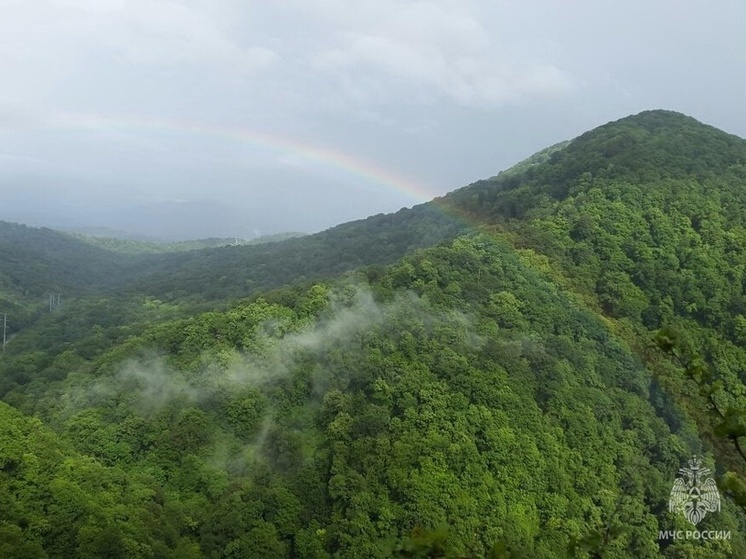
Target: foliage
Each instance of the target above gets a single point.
(58, 503)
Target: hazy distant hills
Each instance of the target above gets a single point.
(129, 244)
(218, 205)
(173, 220)
(169, 220)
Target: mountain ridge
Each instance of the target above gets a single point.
(644, 148)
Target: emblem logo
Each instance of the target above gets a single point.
(694, 494)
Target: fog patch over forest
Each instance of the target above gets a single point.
(236, 386)
(278, 346)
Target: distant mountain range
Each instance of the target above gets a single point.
(157, 221)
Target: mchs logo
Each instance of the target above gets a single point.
(694, 494)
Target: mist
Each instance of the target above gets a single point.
(240, 385)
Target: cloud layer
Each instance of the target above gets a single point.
(441, 91)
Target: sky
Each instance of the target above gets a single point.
(197, 118)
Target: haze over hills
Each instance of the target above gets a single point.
(211, 206)
(169, 220)
(517, 369)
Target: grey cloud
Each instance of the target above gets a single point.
(435, 50)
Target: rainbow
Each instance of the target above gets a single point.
(324, 156)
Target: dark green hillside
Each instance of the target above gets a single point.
(35, 262)
(239, 271)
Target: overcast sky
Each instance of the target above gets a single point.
(238, 117)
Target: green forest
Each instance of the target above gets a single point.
(519, 369)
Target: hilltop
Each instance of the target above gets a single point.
(646, 148)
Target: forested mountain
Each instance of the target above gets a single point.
(239, 271)
(527, 385)
(37, 263)
(40, 261)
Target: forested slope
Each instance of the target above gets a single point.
(461, 400)
(530, 390)
(36, 262)
(646, 217)
(239, 271)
